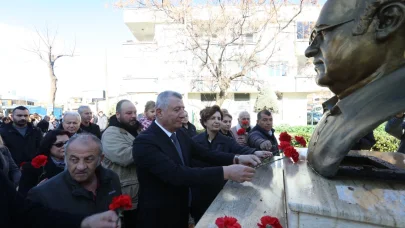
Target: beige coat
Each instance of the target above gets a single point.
(117, 147)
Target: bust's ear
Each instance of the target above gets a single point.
(391, 20)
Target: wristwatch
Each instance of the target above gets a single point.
(236, 159)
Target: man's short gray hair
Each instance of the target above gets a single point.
(76, 114)
(84, 138)
(243, 113)
(162, 101)
(81, 109)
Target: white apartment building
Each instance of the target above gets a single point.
(154, 64)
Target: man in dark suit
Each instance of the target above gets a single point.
(162, 155)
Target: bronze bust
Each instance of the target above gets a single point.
(358, 48)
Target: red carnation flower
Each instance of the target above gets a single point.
(271, 221)
(284, 144)
(301, 140)
(241, 131)
(39, 161)
(291, 152)
(284, 136)
(121, 202)
(227, 222)
(245, 122)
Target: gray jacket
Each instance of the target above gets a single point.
(63, 193)
(117, 148)
(395, 127)
(10, 169)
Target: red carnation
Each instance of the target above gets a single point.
(284, 136)
(271, 221)
(121, 202)
(301, 140)
(284, 144)
(291, 152)
(39, 161)
(241, 131)
(227, 222)
(245, 122)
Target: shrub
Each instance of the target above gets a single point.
(384, 141)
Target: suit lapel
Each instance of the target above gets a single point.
(165, 143)
(182, 137)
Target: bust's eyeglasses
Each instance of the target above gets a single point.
(316, 32)
(60, 144)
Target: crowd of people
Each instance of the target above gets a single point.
(171, 172)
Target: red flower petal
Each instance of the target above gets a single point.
(284, 144)
(241, 131)
(268, 220)
(301, 140)
(245, 122)
(39, 161)
(284, 136)
(121, 202)
(227, 222)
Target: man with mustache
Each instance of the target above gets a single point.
(21, 137)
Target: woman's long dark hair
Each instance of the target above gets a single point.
(49, 140)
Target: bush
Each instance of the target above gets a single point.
(384, 141)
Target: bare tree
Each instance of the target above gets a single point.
(229, 40)
(44, 48)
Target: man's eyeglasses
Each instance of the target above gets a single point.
(316, 32)
(60, 144)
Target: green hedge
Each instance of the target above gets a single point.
(385, 142)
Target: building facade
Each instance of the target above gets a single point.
(154, 63)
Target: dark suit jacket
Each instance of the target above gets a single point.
(164, 181)
(32, 176)
(19, 213)
(204, 195)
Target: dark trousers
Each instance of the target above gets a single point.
(130, 218)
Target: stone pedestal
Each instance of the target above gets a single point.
(301, 198)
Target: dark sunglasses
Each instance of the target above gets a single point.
(60, 144)
(316, 32)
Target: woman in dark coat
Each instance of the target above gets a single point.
(52, 146)
(8, 166)
(211, 118)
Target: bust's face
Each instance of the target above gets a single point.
(341, 59)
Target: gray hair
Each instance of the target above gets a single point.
(242, 113)
(162, 101)
(76, 114)
(81, 109)
(84, 138)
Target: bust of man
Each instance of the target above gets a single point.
(359, 54)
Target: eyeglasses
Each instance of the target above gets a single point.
(60, 144)
(315, 32)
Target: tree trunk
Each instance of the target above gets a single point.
(54, 80)
(224, 85)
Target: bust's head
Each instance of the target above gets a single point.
(357, 41)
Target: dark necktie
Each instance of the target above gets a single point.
(177, 145)
(178, 148)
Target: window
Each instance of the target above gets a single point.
(278, 69)
(304, 30)
(248, 38)
(241, 96)
(208, 97)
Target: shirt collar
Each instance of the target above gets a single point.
(168, 133)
